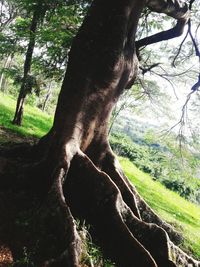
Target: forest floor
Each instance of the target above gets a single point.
(9, 136)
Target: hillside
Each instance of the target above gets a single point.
(35, 123)
(177, 211)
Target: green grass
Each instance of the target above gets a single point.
(174, 209)
(35, 122)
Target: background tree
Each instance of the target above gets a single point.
(8, 14)
(38, 12)
(53, 40)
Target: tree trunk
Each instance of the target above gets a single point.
(27, 67)
(7, 63)
(47, 96)
(3, 83)
(74, 164)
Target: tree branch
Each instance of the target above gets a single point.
(179, 49)
(164, 35)
(172, 9)
(149, 68)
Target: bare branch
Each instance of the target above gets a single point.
(149, 68)
(189, 32)
(182, 20)
(197, 51)
(196, 86)
(163, 76)
(179, 49)
(167, 74)
(190, 4)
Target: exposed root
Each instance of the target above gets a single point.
(41, 222)
(100, 202)
(121, 222)
(69, 238)
(112, 167)
(181, 258)
(93, 196)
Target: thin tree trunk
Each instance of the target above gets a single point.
(27, 68)
(2, 76)
(11, 14)
(47, 96)
(4, 84)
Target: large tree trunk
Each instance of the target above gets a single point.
(74, 169)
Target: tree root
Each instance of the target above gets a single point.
(100, 207)
(92, 195)
(112, 167)
(124, 226)
(69, 236)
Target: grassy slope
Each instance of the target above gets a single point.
(174, 209)
(35, 122)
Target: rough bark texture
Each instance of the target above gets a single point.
(73, 170)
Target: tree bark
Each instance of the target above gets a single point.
(75, 170)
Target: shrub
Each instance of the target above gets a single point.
(152, 159)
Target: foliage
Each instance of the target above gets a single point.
(56, 23)
(163, 163)
(144, 157)
(54, 40)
